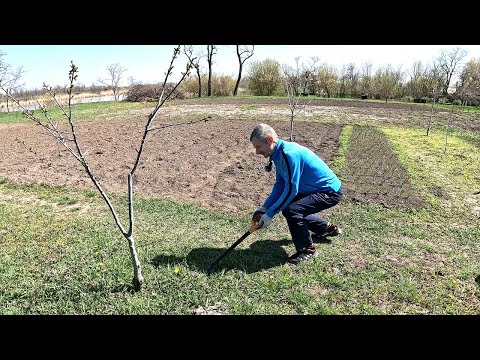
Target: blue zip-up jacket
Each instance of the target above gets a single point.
(298, 170)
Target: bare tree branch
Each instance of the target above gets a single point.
(296, 82)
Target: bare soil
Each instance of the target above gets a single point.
(212, 164)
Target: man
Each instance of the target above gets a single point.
(304, 186)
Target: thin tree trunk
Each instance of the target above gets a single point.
(291, 125)
(446, 131)
(64, 138)
(446, 135)
(238, 80)
(199, 82)
(431, 114)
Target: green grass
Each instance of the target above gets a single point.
(455, 171)
(80, 112)
(61, 253)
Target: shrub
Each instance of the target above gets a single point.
(150, 92)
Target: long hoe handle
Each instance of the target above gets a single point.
(253, 228)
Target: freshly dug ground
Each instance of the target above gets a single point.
(211, 163)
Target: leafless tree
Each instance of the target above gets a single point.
(132, 81)
(196, 65)
(3, 68)
(433, 81)
(68, 138)
(115, 72)
(352, 76)
(10, 78)
(414, 85)
(243, 54)
(469, 87)
(447, 65)
(447, 127)
(366, 80)
(211, 50)
(296, 80)
(13, 83)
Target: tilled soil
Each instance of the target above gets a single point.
(209, 163)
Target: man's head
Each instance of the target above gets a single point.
(264, 139)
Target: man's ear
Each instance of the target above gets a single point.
(269, 139)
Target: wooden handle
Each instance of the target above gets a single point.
(253, 227)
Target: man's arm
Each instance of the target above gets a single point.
(291, 172)
(276, 190)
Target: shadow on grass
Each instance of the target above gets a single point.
(259, 256)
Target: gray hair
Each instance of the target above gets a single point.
(262, 131)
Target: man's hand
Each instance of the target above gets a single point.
(264, 221)
(258, 213)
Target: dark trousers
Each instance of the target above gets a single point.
(301, 215)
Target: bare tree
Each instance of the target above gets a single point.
(115, 71)
(68, 138)
(447, 127)
(433, 81)
(3, 67)
(13, 82)
(469, 87)
(211, 50)
(366, 80)
(10, 78)
(295, 81)
(352, 76)
(447, 66)
(243, 54)
(196, 65)
(414, 85)
(132, 81)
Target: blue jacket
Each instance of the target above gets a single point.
(298, 170)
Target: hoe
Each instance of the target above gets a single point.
(253, 227)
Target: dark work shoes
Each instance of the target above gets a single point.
(332, 230)
(302, 256)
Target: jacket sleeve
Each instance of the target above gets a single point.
(290, 174)
(276, 190)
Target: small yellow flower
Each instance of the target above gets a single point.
(177, 270)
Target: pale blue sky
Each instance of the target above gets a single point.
(148, 63)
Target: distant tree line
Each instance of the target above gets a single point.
(426, 83)
(431, 82)
(423, 83)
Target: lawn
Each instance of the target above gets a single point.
(410, 214)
